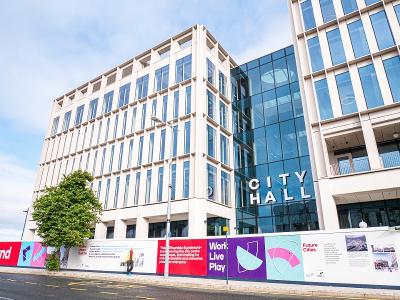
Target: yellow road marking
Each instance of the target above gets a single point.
(108, 293)
(77, 289)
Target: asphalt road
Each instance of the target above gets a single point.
(24, 286)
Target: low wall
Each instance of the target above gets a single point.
(348, 257)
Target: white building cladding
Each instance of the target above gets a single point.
(348, 55)
(105, 127)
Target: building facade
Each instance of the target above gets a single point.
(348, 57)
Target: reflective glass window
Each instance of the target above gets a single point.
(301, 135)
(107, 103)
(224, 149)
(296, 99)
(186, 148)
(161, 78)
(336, 46)
(183, 68)
(273, 134)
(148, 187)
(292, 69)
(143, 119)
(267, 77)
(124, 94)
(369, 2)
(211, 105)
(225, 188)
(174, 140)
(328, 10)
(349, 6)
(54, 127)
(162, 144)
(397, 10)
(257, 114)
(383, 33)
(254, 81)
(324, 99)
(289, 142)
(164, 108)
(160, 184)
(259, 146)
(280, 72)
(79, 115)
(270, 107)
(186, 178)
(151, 148)
(188, 100)
(210, 72)
(142, 84)
(346, 93)
(315, 54)
(212, 182)
(140, 151)
(284, 100)
(116, 193)
(92, 109)
(308, 14)
(211, 141)
(370, 85)
(358, 38)
(137, 189)
(392, 69)
(176, 105)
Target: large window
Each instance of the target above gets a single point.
(129, 163)
(130, 231)
(210, 72)
(137, 189)
(67, 118)
(121, 155)
(346, 93)
(324, 99)
(370, 85)
(186, 145)
(162, 144)
(160, 184)
(211, 105)
(151, 148)
(223, 115)
(308, 14)
(383, 33)
(142, 84)
(314, 50)
(328, 10)
(211, 141)
(349, 6)
(173, 181)
(174, 140)
(103, 159)
(110, 165)
(126, 192)
(54, 127)
(161, 78)
(369, 2)
(79, 115)
(392, 68)
(397, 10)
(116, 193)
(115, 127)
(124, 95)
(183, 68)
(153, 110)
(143, 117)
(225, 188)
(92, 109)
(133, 124)
(336, 46)
(165, 108)
(107, 104)
(212, 182)
(107, 193)
(148, 187)
(176, 105)
(186, 178)
(358, 38)
(140, 151)
(188, 100)
(124, 122)
(224, 142)
(178, 229)
(222, 83)
(110, 232)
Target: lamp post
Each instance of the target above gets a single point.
(167, 235)
(26, 216)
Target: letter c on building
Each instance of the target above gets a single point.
(254, 184)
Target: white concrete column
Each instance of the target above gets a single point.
(119, 229)
(197, 218)
(100, 231)
(370, 144)
(142, 228)
(328, 205)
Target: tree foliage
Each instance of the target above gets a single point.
(66, 213)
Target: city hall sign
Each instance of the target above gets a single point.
(254, 185)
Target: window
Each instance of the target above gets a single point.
(128, 165)
(211, 104)
(116, 194)
(91, 135)
(133, 119)
(107, 193)
(336, 46)
(178, 229)
(142, 84)
(111, 159)
(383, 33)
(346, 93)
(308, 15)
(160, 184)
(137, 189)
(67, 118)
(210, 71)
(151, 148)
(254, 79)
(188, 100)
(162, 144)
(124, 95)
(92, 109)
(110, 232)
(148, 187)
(289, 142)
(143, 119)
(121, 155)
(315, 54)
(224, 150)
(324, 99)
(225, 188)
(176, 105)
(174, 140)
(186, 146)
(223, 115)
(161, 78)
(186, 178)
(107, 104)
(369, 2)
(79, 115)
(222, 83)
(370, 85)
(328, 10)
(165, 108)
(211, 141)
(153, 110)
(130, 231)
(107, 129)
(183, 69)
(349, 6)
(54, 127)
(140, 151)
(212, 182)
(124, 123)
(392, 69)
(94, 163)
(126, 193)
(99, 190)
(397, 10)
(173, 181)
(102, 161)
(115, 127)
(358, 39)
(99, 132)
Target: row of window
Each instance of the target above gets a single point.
(222, 81)
(212, 110)
(225, 188)
(131, 188)
(370, 86)
(212, 145)
(383, 35)
(107, 108)
(328, 10)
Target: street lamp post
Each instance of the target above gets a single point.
(167, 234)
(26, 216)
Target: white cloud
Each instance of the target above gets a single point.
(16, 186)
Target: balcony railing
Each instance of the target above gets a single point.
(355, 165)
(390, 159)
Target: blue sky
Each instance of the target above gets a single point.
(51, 47)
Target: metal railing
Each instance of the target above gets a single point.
(355, 165)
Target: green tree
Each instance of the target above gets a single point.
(66, 213)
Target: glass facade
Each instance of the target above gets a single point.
(392, 69)
(370, 85)
(349, 6)
(336, 46)
(270, 145)
(358, 39)
(383, 33)
(308, 14)
(346, 93)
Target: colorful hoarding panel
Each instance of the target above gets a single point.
(186, 257)
(32, 254)
(9, 253)
(112, 256)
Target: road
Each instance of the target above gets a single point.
(27, 286)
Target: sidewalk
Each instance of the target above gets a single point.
(242, 287)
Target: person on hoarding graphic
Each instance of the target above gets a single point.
(129, 262)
